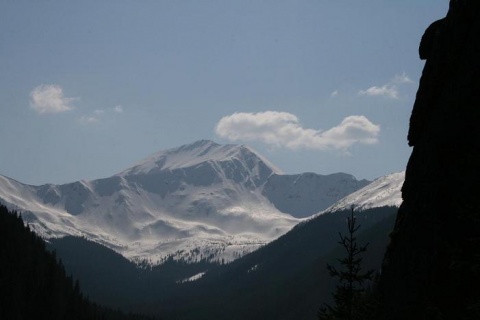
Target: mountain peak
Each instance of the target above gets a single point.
(193, 154)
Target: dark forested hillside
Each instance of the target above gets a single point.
(33, 284)
(286, 279)
(112, 280)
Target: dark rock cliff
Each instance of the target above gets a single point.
(432, 267)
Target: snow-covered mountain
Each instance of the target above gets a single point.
(385, 191)
(198, 201)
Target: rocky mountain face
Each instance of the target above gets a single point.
(303, 195)
(431, 268)
(201, 201)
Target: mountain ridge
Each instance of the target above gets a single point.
(198, 201)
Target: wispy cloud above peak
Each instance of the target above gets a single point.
(91, 119)
(402, 79)
(283, 130)
(49, 98)
(100, 115)
(388, 90)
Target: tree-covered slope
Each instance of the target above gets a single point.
(33, 284)
(286, 279)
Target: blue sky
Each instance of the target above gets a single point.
(90, 87)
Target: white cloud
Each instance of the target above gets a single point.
(389, 91)
(334, 93)
(88, 119)
(402, 79)
(99, 115)
(283, 130)
(50, 99)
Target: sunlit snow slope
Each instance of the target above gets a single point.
(382, 192)
(198, 201)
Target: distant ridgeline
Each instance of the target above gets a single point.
(33, 285)
(432, 267)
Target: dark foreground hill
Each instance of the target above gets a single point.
(33, 285)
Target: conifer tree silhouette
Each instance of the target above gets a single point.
(349, 299)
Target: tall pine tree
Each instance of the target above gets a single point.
(350, 301)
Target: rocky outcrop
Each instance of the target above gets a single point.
(432, 267)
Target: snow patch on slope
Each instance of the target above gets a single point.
(193, 278)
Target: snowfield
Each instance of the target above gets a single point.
(199, 201)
